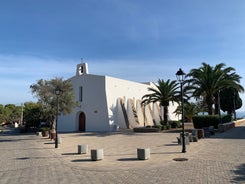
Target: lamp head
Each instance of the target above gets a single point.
(58, 91)
(180, 75)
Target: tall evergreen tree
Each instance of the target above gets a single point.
(230, 100)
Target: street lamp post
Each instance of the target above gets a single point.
(57, 92)
(234, 104)
(180, 77)
(220, 120)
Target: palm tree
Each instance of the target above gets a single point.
(190, 110)
(163, 92)
(207, 81)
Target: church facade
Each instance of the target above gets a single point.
(108, 104)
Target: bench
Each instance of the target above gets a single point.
(226, 126)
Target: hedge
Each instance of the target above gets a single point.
(210, 120)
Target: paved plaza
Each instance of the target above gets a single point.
(27, 158)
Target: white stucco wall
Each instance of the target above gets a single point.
(172, 107)
(93, 104)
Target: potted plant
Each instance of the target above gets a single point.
(45, 131)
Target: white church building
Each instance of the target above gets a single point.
(108, 104)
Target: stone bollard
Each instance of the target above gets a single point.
(83, 149)
(97, 154)
(143, 153)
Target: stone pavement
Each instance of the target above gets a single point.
(27, 158)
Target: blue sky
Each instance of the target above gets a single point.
(138, 40)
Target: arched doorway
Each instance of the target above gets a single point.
(82, 122)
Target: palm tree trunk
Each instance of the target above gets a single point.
(216, 104)
(216, 109)
(209, 103)
(165, 115)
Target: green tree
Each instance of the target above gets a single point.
(230, 100)
(164, 92)
(13, 112)
(10, 113)
(44, 90)
(190, 110)
(32, 114)
(206, 82)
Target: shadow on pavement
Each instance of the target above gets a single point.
(27, 158)
(174, 144)
(128, 159)
(170, 152)
(83, 160)
(240, 174)
(70, 154)
(234, 133)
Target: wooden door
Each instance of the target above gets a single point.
(82, 122)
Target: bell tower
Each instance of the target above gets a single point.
(82, 69)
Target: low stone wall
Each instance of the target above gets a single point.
(238, 122)
(226, 126)
(144, 129)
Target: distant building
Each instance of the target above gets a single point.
(108, 103)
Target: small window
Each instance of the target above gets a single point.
(81, 94)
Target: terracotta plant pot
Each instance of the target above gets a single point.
(52, 135)
(45, 133)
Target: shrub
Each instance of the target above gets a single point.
(226, 118)
(162, 123)
(45, 129)
(160, 127)
(210, 120)
(164, 127)
(174, 124)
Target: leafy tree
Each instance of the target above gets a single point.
(44, 90)
(32, 114)
(10, 113)
(2, 115)
(163, 92)
(206, 82)
(230, 100)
